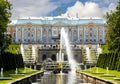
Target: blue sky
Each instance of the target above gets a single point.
(84, 8)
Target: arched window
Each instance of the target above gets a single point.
(29, 34)
(90, 29)
(90, 34)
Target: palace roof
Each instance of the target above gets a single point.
(58, 19)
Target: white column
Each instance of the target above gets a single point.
(78, 33)
(41, 34)
(22, 50)
(33, 51)
(23, 35)
(16, 39)
(57, 58)
(35, 34)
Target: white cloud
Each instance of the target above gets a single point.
(37, 8)
(112, 6)
(31, 8)
(89, 9)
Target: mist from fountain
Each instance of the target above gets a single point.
(99, 50)
(1, 73)
(65, 41)
(88, 53)
(16, 71)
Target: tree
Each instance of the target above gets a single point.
(113, 35)
(5, 14)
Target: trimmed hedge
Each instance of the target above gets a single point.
(111, 60)
(11, 61)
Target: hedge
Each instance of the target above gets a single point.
(111, 60)
(10, 61)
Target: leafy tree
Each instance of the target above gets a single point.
(5, 14)
(113, 35)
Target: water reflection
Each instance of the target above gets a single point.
(60, 79)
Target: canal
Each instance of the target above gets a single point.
(61, 78)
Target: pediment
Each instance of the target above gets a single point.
(29, 25)
(91, 24)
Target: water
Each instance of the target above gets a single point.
(65, 41)
(60, 79)
(88, 53)
(1, 73)
(16, 71)
(99, 50)
(107, 70)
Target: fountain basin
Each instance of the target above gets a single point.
(108, 75)
(25, 72)
(5, 78)
(116, 78)
(97, 73)
(16, 74)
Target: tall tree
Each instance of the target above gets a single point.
(113, 35)
(5, 14)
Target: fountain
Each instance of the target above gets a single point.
(1, 72)
(99, 50)
(65, 41)
(88, 54)
(35, 67)
(97, 71)
(107, 73)
(16, 73)
(70, 78)
(2, 76)
(25, 71)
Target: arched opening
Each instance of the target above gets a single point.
(65, 58)
(44, 57)
(53, 57)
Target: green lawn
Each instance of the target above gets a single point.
(104, 48)
(13, 48)
(6, 73)
(92, 70)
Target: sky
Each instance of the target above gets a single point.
(71, 8)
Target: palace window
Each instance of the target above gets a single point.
(100, 40)
(94, 40)
(24, 29)
(90, 40)
(100, 35)
(28, 34)
(86, 35)
(90, 34)
(81, 35)
(80, 40)
(86, 40)
(32, 35)
(69, 30)
(18, 29)
(90, 29)
(19, 40)
(28, 29)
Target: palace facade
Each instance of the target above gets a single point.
(40, 36)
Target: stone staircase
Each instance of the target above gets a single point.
(28, 55)
(93, 55)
